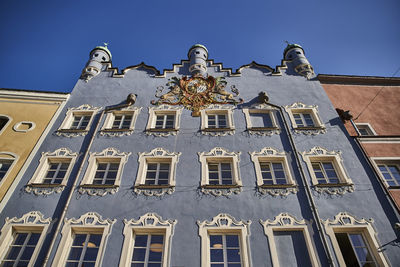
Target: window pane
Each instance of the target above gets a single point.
(261, 120)
(233, 255)
(232, 241)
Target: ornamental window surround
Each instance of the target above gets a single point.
(104, 172)
(220, 172)
(388, 169)
(287, 224)
(224, 241)
(147, 241)
(7, 162)
(327, 171)
(305, 118)
(22, 238)
(77, 121)
(53, 172)
(261, 120)
(217, 120)
(120, 122)
(156, 173)
(347, 233)
(83, 240)
(273, 173)
(163, 120)
(5, 120)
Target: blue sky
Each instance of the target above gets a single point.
(45, 44)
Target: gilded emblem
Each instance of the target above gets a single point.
(197, 93)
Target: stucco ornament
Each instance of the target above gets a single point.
(90, 219)
(224, 220)
(345, 218)
(33, 217)
(150, 220)
(196, 93)
(283, 219)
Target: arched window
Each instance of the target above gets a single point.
(4, 121)
(7, 160)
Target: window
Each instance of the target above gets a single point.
(21, 239)
(327, 171)
(52, 173)
(104, 172)
(365, 129)
(217, 120)
(5, 165)
(220, 172)
(156, 173)
(83, 241)
(147, 241)
(120, 122)
(305, 118)
(7, 161)
(77, 121)
(354, 241)
(4, 122)
(164, 120)
(224, 241)
(389, 170)
(285, 232)
(272, 172)
(260, 120)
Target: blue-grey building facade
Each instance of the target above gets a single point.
(199, 166)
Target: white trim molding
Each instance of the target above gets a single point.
(163, 110)
(83, 110)
(320, 154)
(61, 155)
(220, 155)
(90, 222)
(33, 222)
(7, 123)
(150, 223)
(31, 124)
(108, 129)
(272, 155)
(344, 222)
(386, 161)
(224, 224)
(108, 155)
(217, 109)
(298, 107)
(287, 222)
(367, 127)
(261, 130)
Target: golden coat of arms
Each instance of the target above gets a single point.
(197, 93)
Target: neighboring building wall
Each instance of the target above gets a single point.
(29, 115)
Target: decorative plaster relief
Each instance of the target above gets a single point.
(30, 126)
(30, 218)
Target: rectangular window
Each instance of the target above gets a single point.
(157, 173)
(56, 172)
(106, 173)
(4, 167)
(225, 250)
(273, 173)
(365, 129)
(122, 121)
(355, 250)
(217, 121)
(303, 119)
(80, 122)
(261, 120)
(148, 250)
(165, 121)
(291, 248)
(220, 173)
(391, 173)
(84, 250)
(20, 251)
(325, 172)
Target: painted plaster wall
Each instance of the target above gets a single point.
(382, 149)
(187, 204)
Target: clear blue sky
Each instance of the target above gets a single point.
(45, 44)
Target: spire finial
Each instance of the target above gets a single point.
(105, 44)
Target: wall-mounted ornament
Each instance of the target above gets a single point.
(196, 93)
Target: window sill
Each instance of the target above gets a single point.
(263, 128)
(310, 130)
(278, 186)
(46, 185)
(44, 189)
(98, 189)
(162, 130)
(71, 132)
(116, 132)
(217, 129)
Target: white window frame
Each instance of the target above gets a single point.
(218, 155)
(258, 109)
(90, 222)
(9, 156)
(150, 223)
(33, 221)
(367, 127)
(157, 155)
(163, 110)
(224, 224)
(287, 222)
(108, 155)
(110, 117)
(344, 222)
(65, 127)
(320, 154)
(7, 123)
(272, 155)
(36, 185)
(385, 160)
(226, 110)
(299, 107)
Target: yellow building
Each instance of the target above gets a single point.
(25, 119)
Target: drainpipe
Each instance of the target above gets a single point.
(310, 199)
(131, 99)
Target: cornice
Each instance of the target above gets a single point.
(33, 95)
(358, 80)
